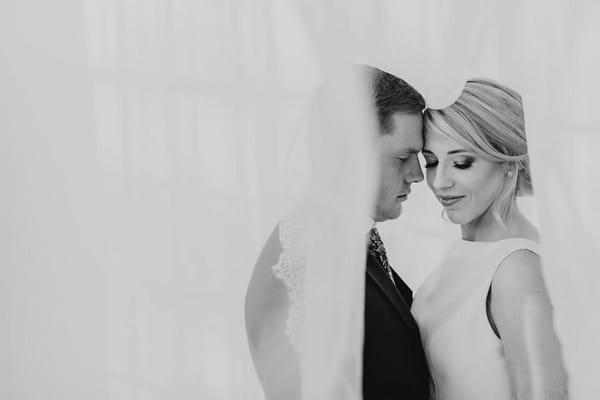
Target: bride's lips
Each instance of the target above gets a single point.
(448, 201)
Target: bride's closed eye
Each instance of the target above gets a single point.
(430, 163)
(430, 160)
(464, 163)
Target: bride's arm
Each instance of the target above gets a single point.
(522, 312)
(267, 306)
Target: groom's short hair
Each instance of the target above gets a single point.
(390, 95)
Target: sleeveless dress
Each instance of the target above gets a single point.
(465, 356)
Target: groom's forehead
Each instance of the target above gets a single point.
(399, 143)
(406, 133)
(402, 122)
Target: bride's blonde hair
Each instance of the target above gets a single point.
(488, 118)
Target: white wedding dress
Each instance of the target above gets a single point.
(465, 356)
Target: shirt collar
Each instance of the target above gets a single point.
(368, 224)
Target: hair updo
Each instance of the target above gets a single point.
(488, 118)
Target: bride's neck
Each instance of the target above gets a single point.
(487, 229)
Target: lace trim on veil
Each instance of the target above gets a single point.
(290, 270)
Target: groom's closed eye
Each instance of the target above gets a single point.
(404, 156)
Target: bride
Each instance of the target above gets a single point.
(484, 315)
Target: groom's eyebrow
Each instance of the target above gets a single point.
(409, 150)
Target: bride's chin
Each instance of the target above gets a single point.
(454, 218)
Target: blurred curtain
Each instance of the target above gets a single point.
(150, 146)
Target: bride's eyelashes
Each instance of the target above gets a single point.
(459, 164)
(430, 160)
(463, 164)
(430, 164)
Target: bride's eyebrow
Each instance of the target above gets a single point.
(458, 151)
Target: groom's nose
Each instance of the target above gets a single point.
(415, 174)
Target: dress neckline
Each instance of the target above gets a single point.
(476, 242)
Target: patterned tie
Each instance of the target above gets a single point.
(376, 246)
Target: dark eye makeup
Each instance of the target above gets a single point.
(464, 163)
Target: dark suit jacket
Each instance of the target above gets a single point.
(394, 365)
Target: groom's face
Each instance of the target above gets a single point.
(398, 164)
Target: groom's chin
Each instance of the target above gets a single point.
(398, 213)
(390, 213)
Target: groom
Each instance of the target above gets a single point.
(394, 365)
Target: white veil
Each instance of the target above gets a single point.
(149, 147)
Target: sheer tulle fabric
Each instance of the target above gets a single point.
(149, 147)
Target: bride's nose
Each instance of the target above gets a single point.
(442, 179)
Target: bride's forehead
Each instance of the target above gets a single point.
(438, 143)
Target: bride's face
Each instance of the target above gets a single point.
(465, 183)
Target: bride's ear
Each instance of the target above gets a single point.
(510, 169)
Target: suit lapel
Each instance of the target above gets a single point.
(377, 273)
